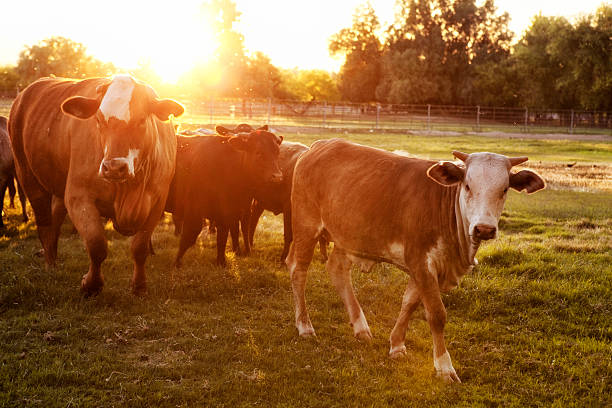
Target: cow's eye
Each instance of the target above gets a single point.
(467, 187)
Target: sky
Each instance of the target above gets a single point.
(171, 36)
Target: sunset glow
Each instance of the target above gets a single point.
(173, 38)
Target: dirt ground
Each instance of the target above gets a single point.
(581, 177)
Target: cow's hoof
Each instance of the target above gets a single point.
(139, 288)
(91, 287)
(364, 336)
(308, 334)
(448, 376)
(306, 330)
(398, 352)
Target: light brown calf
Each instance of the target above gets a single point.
(428, 218)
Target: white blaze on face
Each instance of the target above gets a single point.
(131, 157)
(116, 101)
(484, 189)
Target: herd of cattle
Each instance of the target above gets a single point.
(106, 148)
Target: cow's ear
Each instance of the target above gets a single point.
(223, 131)
(526, 180)
(240, 143)
(446, 173)
(81, 107)
(163, 108)
(264, 127)
(280, 139)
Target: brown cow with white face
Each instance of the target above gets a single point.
(428, 218)
(96, 147)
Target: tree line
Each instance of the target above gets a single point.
(454, 52)
(447, 52)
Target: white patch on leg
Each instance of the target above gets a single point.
(443, 362)
(444, 368)
(397, 351)
(116, 101)
(305, 329)
(361, 330)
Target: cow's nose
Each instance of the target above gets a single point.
(484, 231)
(114, 169)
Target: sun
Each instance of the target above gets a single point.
(176, 50)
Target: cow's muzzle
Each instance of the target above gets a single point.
(116, 170)
(483, 232)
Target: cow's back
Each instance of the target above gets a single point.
(367, 199)
(208, 179)
(44, 139)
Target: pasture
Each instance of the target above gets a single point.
(530, 326)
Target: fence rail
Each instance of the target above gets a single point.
(389, 116)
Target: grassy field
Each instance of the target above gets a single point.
(531, 326)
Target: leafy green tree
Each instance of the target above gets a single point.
(360, 74)
(309, 85)
(9, 80)
(434, 47)
(261, 78)
(591, 61)
(61, 57)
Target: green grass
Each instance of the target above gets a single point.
(530, 326)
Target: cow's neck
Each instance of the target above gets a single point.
(132, 203)
(467, 247)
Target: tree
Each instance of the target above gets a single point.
(309, 85)
(261, 78)
(59, 56)
(230, 55)
(9, 81)
(360, 73)
(434, 47)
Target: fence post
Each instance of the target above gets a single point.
(325, 114)
(526, 118)
(428, 117)
(572, 123)
(269, 109)
(478, 118)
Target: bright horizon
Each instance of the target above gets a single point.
(174, 38)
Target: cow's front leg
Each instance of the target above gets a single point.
(339, 268)
(436, 317)
(410, 301)
(86, 219)
(141, 247)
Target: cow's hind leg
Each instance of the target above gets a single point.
(298, 261)
(410, 301)
(3, 186)
(256, 211)
(234, 231)
(222, 232)
(11, 189)
(192, 225)
(22, 200)
(339, 268)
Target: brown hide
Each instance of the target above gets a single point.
(58, 155)
(377, 206)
